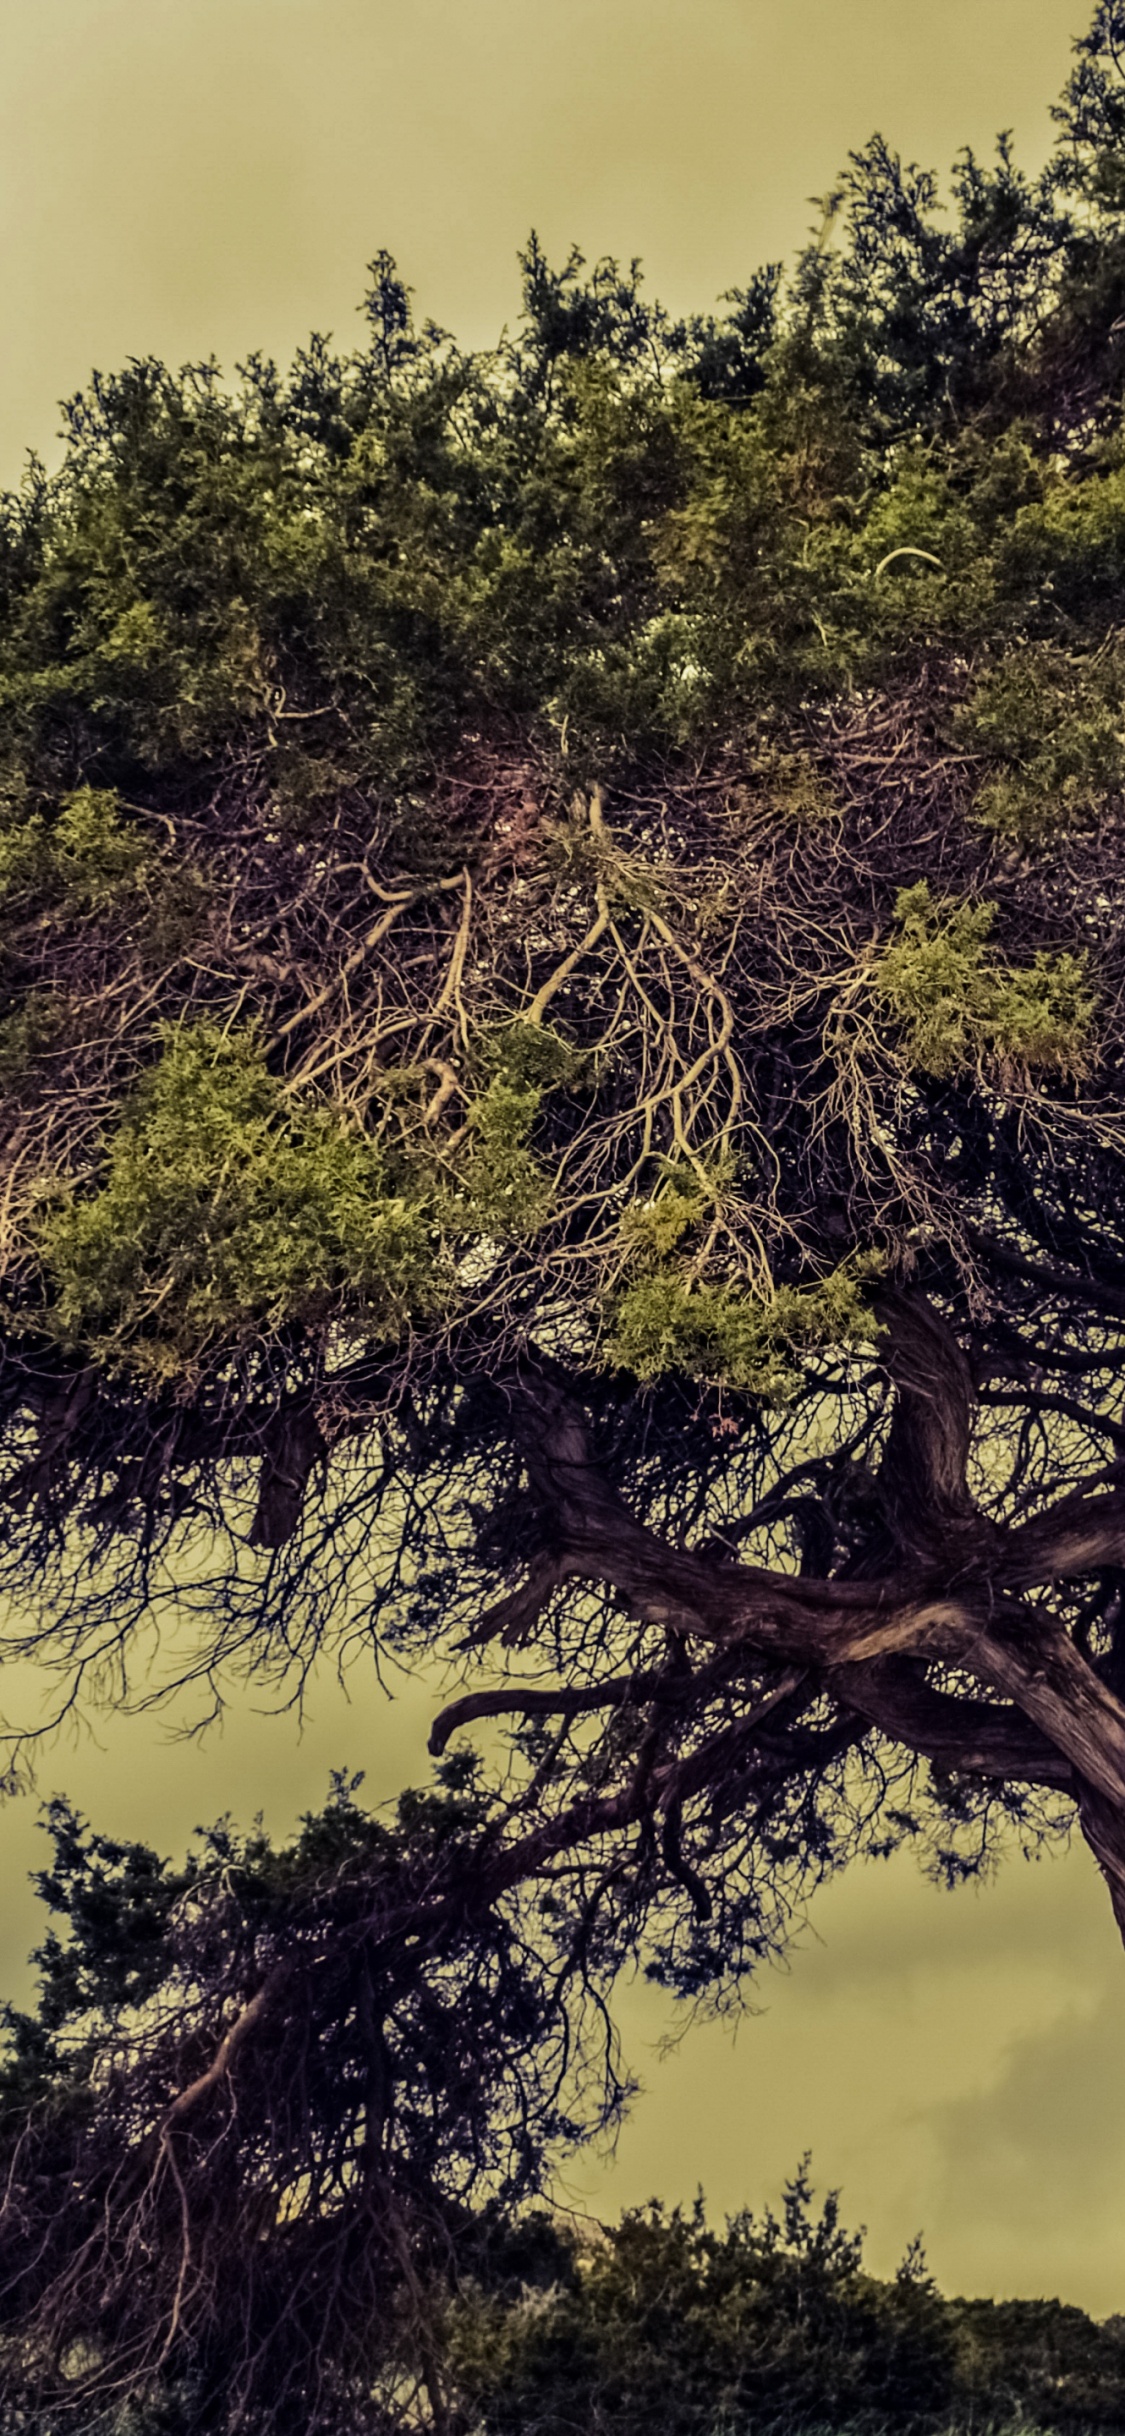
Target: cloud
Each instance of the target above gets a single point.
(1028, 2194)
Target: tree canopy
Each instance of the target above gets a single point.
(561, 1080)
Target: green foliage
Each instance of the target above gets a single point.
(661, 2324)
(116, 1900)
(628, 530)
(229, 1207)
(1055, 727)
(655, 1227)
(529, 1056)
(667, 1320)
(301, 787)
(24, 859)
(596, 529)
(84, 861)
(95, 856)
(959, 1005)
(1041, 2361)
(30, 1030)
(795, 787)
(504, 1189)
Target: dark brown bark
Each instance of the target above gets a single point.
(938, 1586)
(295, 1447)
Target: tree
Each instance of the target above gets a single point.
(562, 1061)
(662, 2323)
(249, 2117)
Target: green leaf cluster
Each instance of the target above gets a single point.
(32, 1028)
(503, 1187)
(593, 529)
(230, 1207)
(1056, 728)
(662, 2325)
(82, 862)
(958, 1005)
(669, 1318)
(666, 1321)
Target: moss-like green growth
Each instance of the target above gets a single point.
(96, 856)
(666, 1320)
(1055, 729)
(24, 859)
(27, 1033)
(84, 861)
(530, 1056)
(653, 1228)
(229, 1208)
(503, 1188)
(302, 791)
(960, 1006)
(797, 790)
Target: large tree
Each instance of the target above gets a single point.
(563, 1084)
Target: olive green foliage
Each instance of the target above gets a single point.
(726, 1336)
(687, 1195)
(503, 1187)
(795, 786)
(228, 1207)
(31, 1028)
(529, 1056)
(667, 1320)
(960, 1005)
(667, 1317)
(95, 856)
(586, 529)
(660, 2325)
(625, 540)
(1057, 730)
(84, 860)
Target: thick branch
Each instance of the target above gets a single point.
(524, 1700)
(973, 1737)
(1035, 1664)
(1078, 1535)
(922, 1477)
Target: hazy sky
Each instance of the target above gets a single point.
(188, 177)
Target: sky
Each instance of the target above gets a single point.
(198, 177)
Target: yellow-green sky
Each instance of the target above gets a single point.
(195, 176)
(191, 177)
